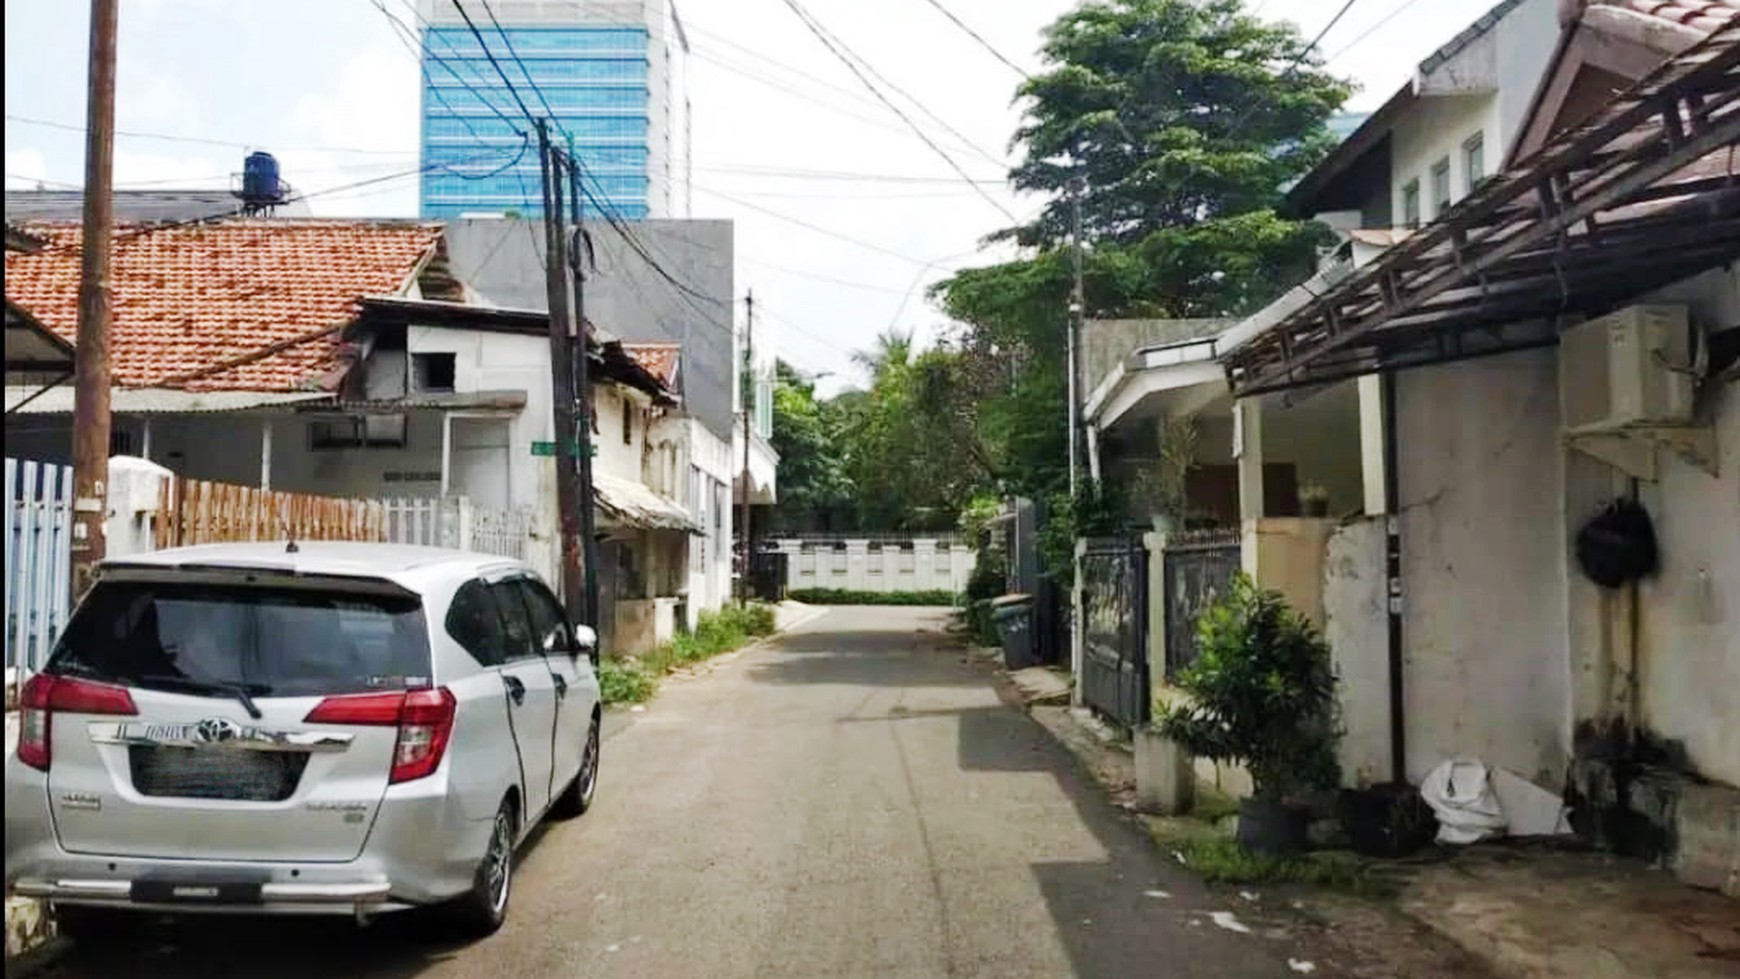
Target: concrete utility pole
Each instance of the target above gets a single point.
(1077, 309)
(562, 392)
(748, 393)
(583, 389)
(90, 438)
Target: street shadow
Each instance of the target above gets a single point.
(396, 945)
(862, 657)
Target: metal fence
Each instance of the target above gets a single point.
(1114, 663)
(1198, 571)
(38, 559)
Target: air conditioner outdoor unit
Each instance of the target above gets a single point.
(1629, 369)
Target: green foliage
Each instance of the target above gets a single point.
(633, 680)
(625, 681)
(1224, 861)
(1180, 112)
(841, 596)
(1098, 510)
(1261, 692)
(813, 484)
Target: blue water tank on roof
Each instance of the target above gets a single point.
(260, 179)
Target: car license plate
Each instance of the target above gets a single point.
(153, 891)
(169, 733)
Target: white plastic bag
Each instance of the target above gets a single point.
(1460, 792)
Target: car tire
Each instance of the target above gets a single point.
(85, 925)
(481, 910)
(577, 797)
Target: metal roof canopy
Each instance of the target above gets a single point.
(1585, 225)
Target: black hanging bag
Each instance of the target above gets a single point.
(1617, 545)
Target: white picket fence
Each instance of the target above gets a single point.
(455, 523)
(38, 559)
(39, 547)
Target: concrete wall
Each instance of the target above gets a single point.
(1356, 618)
(501, 258)
(1483, 565)
(1287, 554)
(1689, 613)
(863, 565)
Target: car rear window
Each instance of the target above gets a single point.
(287, 641)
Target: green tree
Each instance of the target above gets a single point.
(814, 489)
(1184, 120)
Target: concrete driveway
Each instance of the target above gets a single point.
(848, 801)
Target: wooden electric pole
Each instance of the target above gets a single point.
(562, 390)
(583, 389)
(748, 394)
(1077, 309)
(90, 436)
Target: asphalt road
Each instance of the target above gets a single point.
(848, 801)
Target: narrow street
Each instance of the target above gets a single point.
(849, 801)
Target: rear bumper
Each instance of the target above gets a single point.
(420, 850)
(275, 898)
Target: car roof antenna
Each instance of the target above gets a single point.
(289, 536)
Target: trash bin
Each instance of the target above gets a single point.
(1013, 617)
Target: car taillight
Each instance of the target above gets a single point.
(424, 719)
(44, 694)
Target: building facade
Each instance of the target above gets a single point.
(610, 76)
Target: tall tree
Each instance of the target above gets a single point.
(1184, 121)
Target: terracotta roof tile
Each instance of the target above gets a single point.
(191, 299)
(659, 358)
(1706, 16)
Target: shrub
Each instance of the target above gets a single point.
(624, 681)
(841, 596)
(1261, 692)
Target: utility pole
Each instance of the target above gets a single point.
(1077, 309)
(748, 392)
(90, 437)
(582, 370)
(562, 394)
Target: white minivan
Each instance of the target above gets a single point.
(315, 727)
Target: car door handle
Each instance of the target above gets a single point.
(516, 689)
(561, 686)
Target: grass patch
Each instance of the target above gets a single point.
(1206, 848)
(625, 681)
(633, 680)
(842, 596)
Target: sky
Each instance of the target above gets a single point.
(833, 260)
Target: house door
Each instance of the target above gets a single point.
(480, 461)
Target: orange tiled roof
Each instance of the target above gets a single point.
(1707, 16)
(191, 300)
(659, 358)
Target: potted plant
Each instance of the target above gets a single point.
(1314, 500)
(1261, 693)
(1159, 486)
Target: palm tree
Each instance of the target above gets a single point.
(893, 349)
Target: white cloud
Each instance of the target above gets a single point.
(371, 104)
(23, 169)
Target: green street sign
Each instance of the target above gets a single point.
(549, 449)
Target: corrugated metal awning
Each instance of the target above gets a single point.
(161, 401)
(632, 504)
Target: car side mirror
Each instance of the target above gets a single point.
(585, 642)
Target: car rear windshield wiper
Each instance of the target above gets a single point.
(241, 691)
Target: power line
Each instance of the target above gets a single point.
(487, 53)
(1368, 32)
(822, 35)
(861, 61)
(169, 137)
(987, 45)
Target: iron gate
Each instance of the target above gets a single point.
(1198, 571)
(1114, 663)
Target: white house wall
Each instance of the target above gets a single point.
(1483, 565)
(1689, 622)
(929, 565)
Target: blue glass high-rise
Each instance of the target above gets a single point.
(606, 84)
